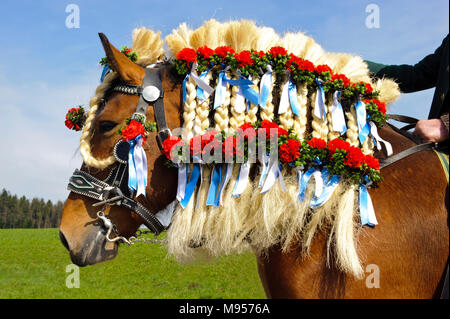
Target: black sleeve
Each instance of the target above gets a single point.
(412, 78)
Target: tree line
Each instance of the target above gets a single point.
(20, 212)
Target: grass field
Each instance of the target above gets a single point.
(33, 265)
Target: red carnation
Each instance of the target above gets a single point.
(290, 151)
(246, 130)
(133, 129)
(230, 148)
(380, 106)
(205, 52)
(306, 65)
(276, 51)
(272, 129)
(338, 144)
(317, 143)
(187, 54)
(345, 80)
(244, 58)
(323, 68)
(354, 157)
(372, 162)
(68, 123)
(197, 143)
(170, 144)
(223, 51)
(293, 59)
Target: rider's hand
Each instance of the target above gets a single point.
(431, 131)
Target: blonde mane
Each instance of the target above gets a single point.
(255, 221)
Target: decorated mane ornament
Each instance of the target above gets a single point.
(275, 143)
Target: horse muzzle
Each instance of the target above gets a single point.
(94, 248)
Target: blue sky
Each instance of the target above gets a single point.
(46, 67)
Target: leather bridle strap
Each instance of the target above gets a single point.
(85, 184)
(412, 150)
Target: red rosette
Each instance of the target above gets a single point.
(277, 51)
(222, 51)
(132, 130)
(204, 52)
(244, 58)
(289, 151)
(338, 144)
(372, 162)
(354, 158)
(169, 145)
(188, 55)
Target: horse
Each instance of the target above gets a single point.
(405, 256)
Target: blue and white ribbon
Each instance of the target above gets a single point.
(186, 78)
(183, 173)
(327, 189)
(264, 160)
(361, 119)
(264, 87)
(242, 179)
(366, 211)
(201, 94)
(273, 174)
(304, 179)
(379, 140)
(337, 114)
(289, 98)
(319, 103)
(214, 187)
(137, 166)
(190, 188)
(219, 97)
(105, 71)
(228, 172)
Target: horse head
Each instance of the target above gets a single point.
(81, 231)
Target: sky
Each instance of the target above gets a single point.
(46, 67)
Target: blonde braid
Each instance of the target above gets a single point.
(352, 127)
(237, 119)
(319, 126)
(250, 115)
(221, 114)
(88, 129)
(331, 133)
(189, 109)
(301, 121)
(201, 123)
(368, 146)
(267, 112)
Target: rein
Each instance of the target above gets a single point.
(114, 189)
(411, 122)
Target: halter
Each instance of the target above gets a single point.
(114, 189)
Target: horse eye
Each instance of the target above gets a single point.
(106, 126)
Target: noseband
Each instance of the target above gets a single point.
(114, 189)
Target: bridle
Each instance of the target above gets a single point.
(114, 189)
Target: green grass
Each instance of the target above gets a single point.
(33, 265)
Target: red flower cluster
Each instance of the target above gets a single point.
(323, 68)
(354, 158)
(169, 145)
(244, 58)
(133, 129)
(198, 143)
(317, 143)
(75, 118)
(273, 130)
(230, 148)
(293, 59)
(277, 51)
(365, 87)
(345, 80)
(290, 151)
(372, 162)
(338, 144)
(188, 55)
(223, 51)
(205, 52)
(247, 131)
(380, 105)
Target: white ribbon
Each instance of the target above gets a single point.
(272, 175)
(319, 183)
(140, 162)
(264, 86)
(319, 103)
(183, 171)
(284, 100)
(379, 140)
(264, 168)
(239, 102)
(242, 180)
(207, 90)
(337, 114)
(229, 170)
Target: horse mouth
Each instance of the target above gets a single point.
(95, 249)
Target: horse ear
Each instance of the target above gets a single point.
(128, 71)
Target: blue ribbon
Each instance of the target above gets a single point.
(364, 205)
(132, 177)
(200, 92)
(292, 89)
(214, 190)
(219, 96)
(265, 90)
(327, 191)
(304, 183)
(193, 179)
(321, 101)
(184, 87)
(361, 119)
(105, 71)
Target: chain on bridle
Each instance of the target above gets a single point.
(114, 189)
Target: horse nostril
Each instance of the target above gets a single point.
(64, 240)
